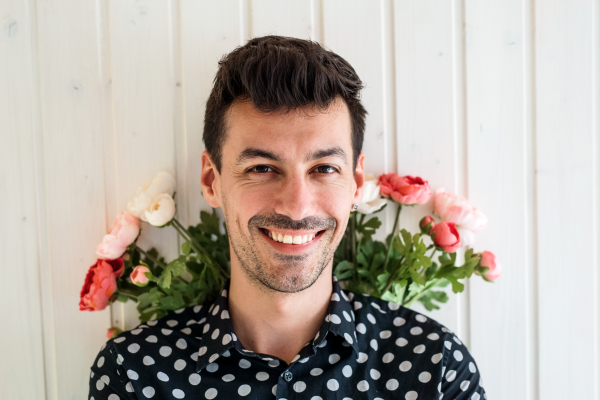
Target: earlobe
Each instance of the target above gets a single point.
(359, 178)
(209, 181)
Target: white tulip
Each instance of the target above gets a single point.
(161, 210)
(371, 200)
(163, 183)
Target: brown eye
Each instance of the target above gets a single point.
(326, 169)
(261, 169)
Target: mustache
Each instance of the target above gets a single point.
(280, 221)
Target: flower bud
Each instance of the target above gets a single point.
(446, 236)
(113, 332)
(490, 261)
(141, 275)
(423, 224)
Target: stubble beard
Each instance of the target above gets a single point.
(286, 273)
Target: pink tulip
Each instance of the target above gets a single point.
(405, 190)
(452, 208)
(141, 275)
(100, 283)
(423, 224)
(446, 236)
(489, 259)
(124, 231)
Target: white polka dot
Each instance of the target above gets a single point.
(99, 384)
(419, 349)
(179, 311)
(105, 379)
(347, 371)
(274, 390)
(334, 358)
(226, 339)
(206, 328)
(373, 344)
(181, 343)
(347, 316)
(436, 358)
(472, 367)
(385, 334)
(162, 376)
(333, 385)
(316, 398)
(412, 395)
(172, 323)
(363, 386)
(132, 374)
(405, 366)
(152, 322)
(133, 348)
(335, 297)
(151, 339)
(433, 336)
(194, 379)
(165, 351)
(226, 354)
(215, 334)
(211, 393)
(424, 377)
(120, 359)
(371, 318)
(213, 357)
(421, 318)
(274, 363)
(450, 375)
(180, 364)
(216, 310)
(348, 338)
(375, 374)
(262, 376)
(244, 390)
(362, 357)
(244, 363)
(148, 391)
(299, 387)
(322, 344)
(464, 385)
(392, 384)
(458, 355)
(187, 331)
(316, 371)
(475, 396)
(393, 306)
(202, 351)
(416, 330)
(448, 344)
(178, 393)
(225, 314)
(113, 397)
(357, 305)
(148, 360)
(119, 339)
(335, 319)
(361, 328)
(166, 332)
(100, 362)
(387, 358)
(399, 321)
(401, 342)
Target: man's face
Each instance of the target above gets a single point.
(286, 188)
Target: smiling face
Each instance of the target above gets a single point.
(286, 188)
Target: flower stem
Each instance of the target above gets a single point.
(131, 295)
(150, 256)
(411, 300)
(387, 256)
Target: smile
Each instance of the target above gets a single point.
(290, 239)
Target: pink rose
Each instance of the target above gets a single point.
(452, 208)
(141, 275)
(100, 283)
(423, 224)
(446, 236)
(405, 190)
(124, 231)
(113, 332)
(489, 259)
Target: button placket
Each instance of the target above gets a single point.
(287, 375)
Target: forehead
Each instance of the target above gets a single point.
(292, 134)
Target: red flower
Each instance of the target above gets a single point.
(406, 189)
(100, 283)
(446, 236)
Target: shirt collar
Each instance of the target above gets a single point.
(218, 336)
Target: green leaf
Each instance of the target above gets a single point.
(416, 277)
(383, 278)
(186, 248)
(428, 298)
(398, 245)
(457, 287)
(343, 270)
(122, 298)
(407, 240)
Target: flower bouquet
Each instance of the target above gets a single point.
(399, 270)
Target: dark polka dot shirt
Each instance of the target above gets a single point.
(366, 348)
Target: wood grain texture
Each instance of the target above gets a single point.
(21, 311)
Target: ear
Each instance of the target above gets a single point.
(210, 180)
(359, 179)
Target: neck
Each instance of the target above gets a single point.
(275, 323)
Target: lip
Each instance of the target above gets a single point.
(291, 248)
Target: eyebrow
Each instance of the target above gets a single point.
(331, 151)
(252, 152)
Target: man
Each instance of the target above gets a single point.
(283, 131)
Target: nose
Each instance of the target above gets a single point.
(296, 197)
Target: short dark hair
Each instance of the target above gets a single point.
(280, 73)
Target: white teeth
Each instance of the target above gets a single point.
(288, 239)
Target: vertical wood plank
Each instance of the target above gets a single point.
(284, 18)
(428, 124)
(144, 91)
(596, 189)
(498, 178)
(21, 314)
(73, 184)
(209, 31)
(564, 81)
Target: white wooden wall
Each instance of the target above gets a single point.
(496, 100)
